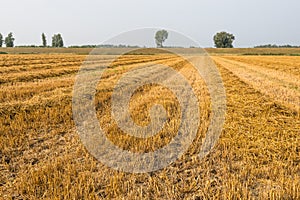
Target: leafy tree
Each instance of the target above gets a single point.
(160, 37)
(224, 40)
(57, 41)
(9, 40)
(1, 40)
(44, 40)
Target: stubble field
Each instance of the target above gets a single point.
(256, 157)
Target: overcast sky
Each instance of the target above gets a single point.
(253, 22)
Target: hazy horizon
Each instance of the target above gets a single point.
(94, 22)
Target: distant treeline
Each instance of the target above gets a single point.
(96, 46)
(104, 46)
(136, 46)
(30, 46)
(83, 46)
(276, 46)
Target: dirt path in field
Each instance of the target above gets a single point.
(281, 86)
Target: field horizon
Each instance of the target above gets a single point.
(118, 51)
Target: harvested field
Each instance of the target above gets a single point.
(256, 157)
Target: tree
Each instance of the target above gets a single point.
(1, 40)
(224, 40)
(160, 37)
(9, 40)
(44, 40)
(57, 41)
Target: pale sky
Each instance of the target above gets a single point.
(253, 22)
